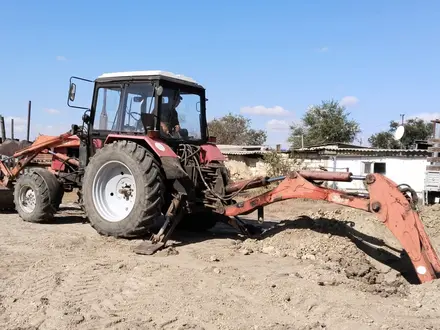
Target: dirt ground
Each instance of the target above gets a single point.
(309, 272)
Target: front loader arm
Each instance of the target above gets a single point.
(26, 155)
(385, 200)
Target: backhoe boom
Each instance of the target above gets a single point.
(395, 209)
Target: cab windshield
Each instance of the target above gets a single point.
(131, 109)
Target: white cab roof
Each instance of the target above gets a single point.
(150, 73)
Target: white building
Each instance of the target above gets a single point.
(401, 166)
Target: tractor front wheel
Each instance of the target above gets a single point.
(37, 195)
(123, 190)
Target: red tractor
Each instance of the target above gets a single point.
(144, 151)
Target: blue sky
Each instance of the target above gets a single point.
(268, 60)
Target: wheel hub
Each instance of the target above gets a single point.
(114, 191)
(28, 200)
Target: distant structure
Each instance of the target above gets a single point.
(103, 119)
(432, 173)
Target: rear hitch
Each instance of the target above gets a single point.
(173, 217)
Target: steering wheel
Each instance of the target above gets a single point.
(136, 113)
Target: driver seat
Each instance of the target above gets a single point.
(148, 121)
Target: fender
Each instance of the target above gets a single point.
(168, 158)
(209, 153)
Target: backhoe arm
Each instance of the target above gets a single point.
(386, 200)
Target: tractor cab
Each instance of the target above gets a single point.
(153, 103)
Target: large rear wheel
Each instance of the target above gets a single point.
(123, 190)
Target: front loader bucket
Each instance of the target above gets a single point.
(6, 199)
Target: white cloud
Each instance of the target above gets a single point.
(264, 111)
(20, 128)
(52, 111)
(277, 125)
(38, 129)
(323, 49)
(349, 101)
(61, 58)
(427, 116)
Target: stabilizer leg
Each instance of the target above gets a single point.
(244, 228)
(172, 218)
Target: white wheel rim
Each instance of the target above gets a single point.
(114, 191)
(27, 199)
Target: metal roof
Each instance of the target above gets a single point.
(260, 150)
(364, 150)
(228, 149)
(145, 74)
(244, 152)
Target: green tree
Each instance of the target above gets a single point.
(415, 129)
(235, 129)
(324, 123)
(383, 140)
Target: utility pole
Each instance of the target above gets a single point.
(29, 121)
(3, 128)
(12, 128)
(302, 139)
(402, 115)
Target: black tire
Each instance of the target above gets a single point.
(59, 196)
(56, 188)
(6, 200)
(149, 182)
(46, 190)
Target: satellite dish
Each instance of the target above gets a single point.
(399, 132)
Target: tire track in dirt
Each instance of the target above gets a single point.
(68, 277)
(93, 300)
(30, 303)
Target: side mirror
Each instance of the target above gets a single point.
(72, 92)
